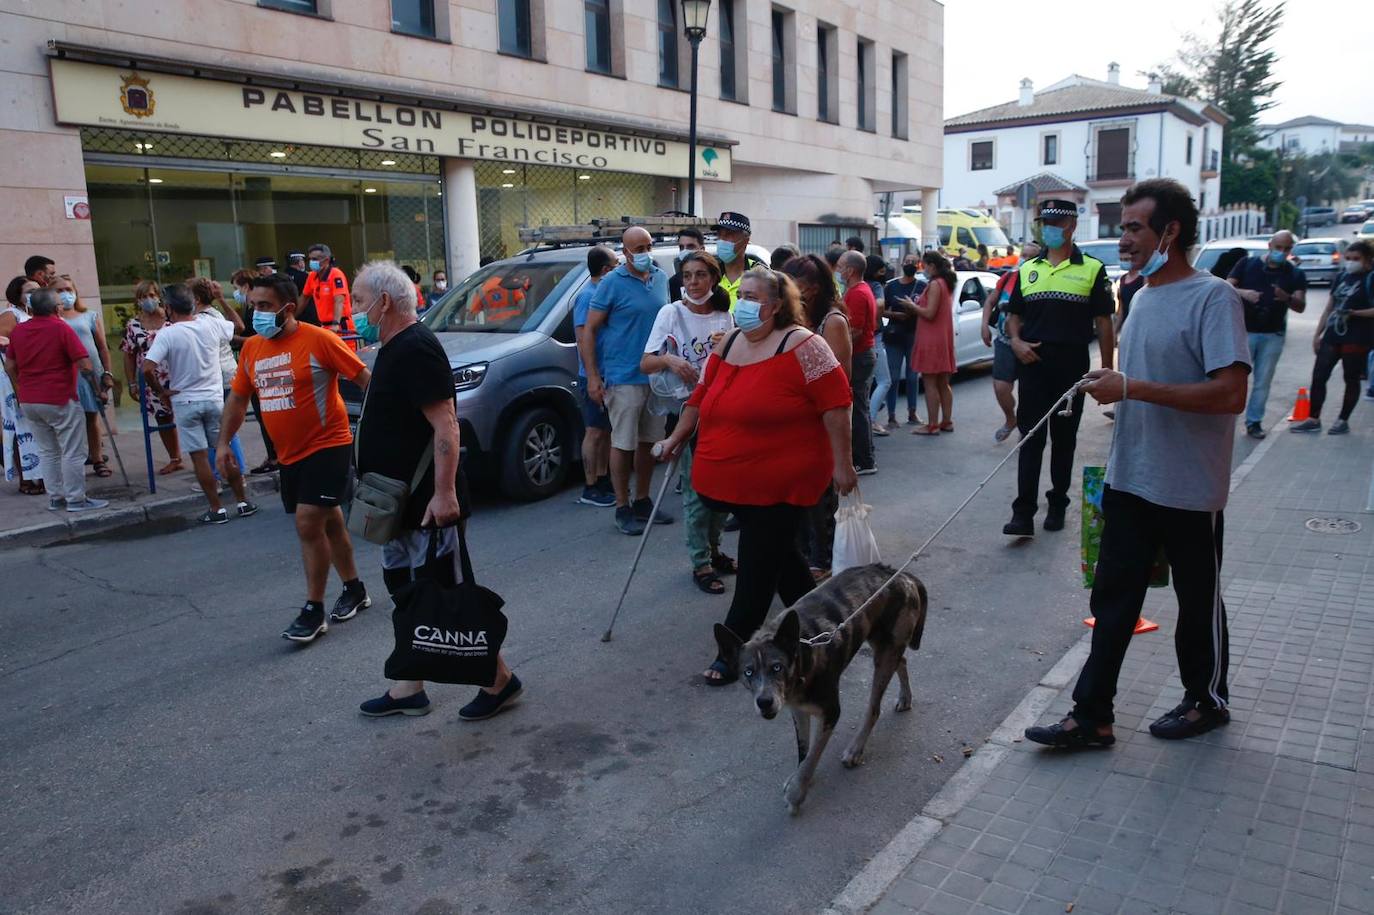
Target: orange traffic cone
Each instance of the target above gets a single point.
(1141, 625)
(1302, 407)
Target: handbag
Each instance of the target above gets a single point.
(855, 544)
(446, 634)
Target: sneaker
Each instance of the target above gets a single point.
(486, 704)
(866, 471)
(1311, 424)
(87, 504)
(1175, 725)
(591, 495)
(880, 430)
(264, 467)
(1079, 737)
(214, 517)
(1054, 517)
(384, 705)
(1020, 526)
(307, 627)
(1339, 427)
(642, 508)
(1254, 430)
(246, 509)
(626, 522)
(56, 503)
(349, 603)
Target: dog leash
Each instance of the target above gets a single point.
(826, 638)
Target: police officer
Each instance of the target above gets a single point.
(295, 268)
(1058, 299)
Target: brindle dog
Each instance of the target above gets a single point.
(780, 669)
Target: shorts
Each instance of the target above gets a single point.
(198, 424)
(1003, 361)
(323, 478)
(631, 422)
(593, 414)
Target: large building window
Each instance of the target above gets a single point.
(1113, 154)
(513, 24)
(309, 7)
(865, 86)
(784, 51)
(597, 15)
(901, 112)
(667, 44)
(728, 88)
(413, 17)
(980, 155)
(827, 73)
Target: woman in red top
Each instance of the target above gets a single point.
(933, 355)
(772, 420)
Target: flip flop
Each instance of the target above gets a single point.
(723, 669)
(947, 426)
(171, 466)
(102, 469)
(926, 430)
(1001, 434)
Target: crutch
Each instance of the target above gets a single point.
(109, 432)
(643, 539)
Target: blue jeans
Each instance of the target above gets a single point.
(898, 354)
(883, 380)
(1265, 350)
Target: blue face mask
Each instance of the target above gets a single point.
(314, 265)
(68, 299)
(725, 250)
(240, 296)
(643, 261)
(367, 332)
(1054, 236)
(1155, 262)
(747, 315)
(265, 323)
(1276, 258)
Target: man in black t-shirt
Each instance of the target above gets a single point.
(1269, 286)
(410, 404)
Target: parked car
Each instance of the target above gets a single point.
(515, 369)
(1108, 253)
(1357, 212)
(1220, 255)
(1368, 208)
(973, 288)
(1318, 216)
(1366, 231)
(1320, 258)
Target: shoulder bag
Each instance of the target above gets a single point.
(379, 501)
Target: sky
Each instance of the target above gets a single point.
(1323, 66)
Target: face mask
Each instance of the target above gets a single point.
(440, 285)
(68, 299)
(1355, 267)
(1157, 260)
(725, 250)
(1054, 236)
(747, 315)
(643, 261)
(27, 296)
(908, 270)
(367, 331)
(1276, 258)
(240, 297)
(148, 305)
(687, 296)
(314, 265)
(267, 324)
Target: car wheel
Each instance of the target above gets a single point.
(534, 461)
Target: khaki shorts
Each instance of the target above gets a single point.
(631, 422)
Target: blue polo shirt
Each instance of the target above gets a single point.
(631, 305)
(581, 302)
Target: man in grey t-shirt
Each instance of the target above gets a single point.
(1184, 365)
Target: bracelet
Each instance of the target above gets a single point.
(1124, 395)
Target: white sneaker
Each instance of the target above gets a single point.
(87, 504)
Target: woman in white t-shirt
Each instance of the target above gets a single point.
(675, 355)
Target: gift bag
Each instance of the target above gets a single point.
(855, 544)
(446, 634)
(1094, 479)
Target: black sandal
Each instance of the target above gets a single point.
(31, 488)
(726, 674)
(708, 581)
(102, 469)
(1079, 738)
(723, 564)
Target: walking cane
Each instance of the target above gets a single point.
(110, 432)
(643, 539)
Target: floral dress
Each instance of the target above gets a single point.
(137, 339)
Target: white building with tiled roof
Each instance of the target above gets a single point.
(1085, 140)
(1311, 135)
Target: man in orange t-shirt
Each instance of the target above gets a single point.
(294, 368)
(328, 287)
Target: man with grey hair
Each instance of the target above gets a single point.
(1269, 287)
(409, 419)
(42, 360)
(863, 324)
(326, 292)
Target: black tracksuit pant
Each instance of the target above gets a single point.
(770, 562)
(1132, 534)
(1039, 385)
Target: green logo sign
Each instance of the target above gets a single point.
(709, 156)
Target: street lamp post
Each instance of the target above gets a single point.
(694, 13)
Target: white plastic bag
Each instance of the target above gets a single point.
(854, 541)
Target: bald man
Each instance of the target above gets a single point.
(1269, 286)
(619, 320)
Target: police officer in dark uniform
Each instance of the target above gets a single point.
(295, 268)
(1058, 299)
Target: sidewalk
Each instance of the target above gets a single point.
(1272, 813)
(26, 522)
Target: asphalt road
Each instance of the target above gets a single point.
(165, 751)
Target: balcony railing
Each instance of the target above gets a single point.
(1112, 168)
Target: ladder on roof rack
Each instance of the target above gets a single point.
(607, 229)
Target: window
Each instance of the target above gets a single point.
(900, 112)
(667, 43)
(827, 82)
(1050, 149)
(413, 17)
(727, 51)
(310, 7)
(1202, 201)
(597, 14)
(513, 23)
(1188, 152)
(865, 86)
(783, 44)
(1109, 220)
(980, 155)
(1113, 153)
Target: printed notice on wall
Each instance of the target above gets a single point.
(78, 206)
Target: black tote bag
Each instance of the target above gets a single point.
(446, 634)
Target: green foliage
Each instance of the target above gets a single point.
(1253, 180)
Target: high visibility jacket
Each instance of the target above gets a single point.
(1057, 303)
(499, 303)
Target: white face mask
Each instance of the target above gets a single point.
(440, 285)
(688, 297)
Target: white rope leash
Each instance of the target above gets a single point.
(826, 637)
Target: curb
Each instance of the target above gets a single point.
(867, 887)
(66, 527)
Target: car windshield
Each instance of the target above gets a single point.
(1208, 257)
(992, 236)
(1107, 252)
(507, 297)
(1314, 247)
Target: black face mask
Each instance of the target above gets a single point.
(908, 270)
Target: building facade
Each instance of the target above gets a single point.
(169, 138)
(1311, 135)
(1085, 140)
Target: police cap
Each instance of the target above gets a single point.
(1057, 209)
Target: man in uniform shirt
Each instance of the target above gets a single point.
(732, 238)
(327, 287)
(1059, 297)
(295, 268)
